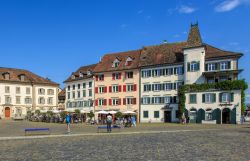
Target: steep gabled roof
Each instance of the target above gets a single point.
(29, 77)
(105, 65)
(194, 37)
(84, 70)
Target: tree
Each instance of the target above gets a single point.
(118, 114)
(91, 115)
(37, 112)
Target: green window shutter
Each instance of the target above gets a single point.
(188, 67)
(217, 66)
(174, 85)
(203, 98)
(214, 97)
(152, 87)
(198, 65)
(175, 70)
(220, 97)
(229, 65)
(206, 67)
(232, 97)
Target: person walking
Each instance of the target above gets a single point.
(68, 121)
(109, 122)
(133, 121)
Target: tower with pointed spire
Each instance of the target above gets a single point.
(194, 56)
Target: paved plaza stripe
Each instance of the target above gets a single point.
(99, 134)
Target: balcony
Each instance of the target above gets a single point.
(221, 75)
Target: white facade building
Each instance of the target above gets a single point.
(21, 90)
(166, 67)
(79, 90)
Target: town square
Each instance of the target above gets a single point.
(124, 80)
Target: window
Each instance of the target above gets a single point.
(74, 87)
(50, 100)
(178, 70)
(68, 88)
(68, 95)
(41, 100)
(115, 88)
(101, 89)
(156, 87)
(50, 92)
(145, 100)
(147, 87)
(116, 63)
(101, 77)
(78, 94)
(210, 80)
(130, 87)
(129, 101)
(146, 73)
(209, 98)
(128, 61)
(7, 89)
(145, 114)
(18, 90)
(156, 114)
(101, 102)
(73, 95)
(192, 98)
(27, 90)
(211, 66)
(193, 66)
(84, 85)
(90, 92)
(225, 65)
(84, 93)
(78, 86)
(28, 100)
(167, 86)
(41, 91)
(208, 115)
(115, 101)
(178, 84)
(167, 99)
(18, 99)
(156, 100)
(22, 77)
(7, 100)
(116, 76)
(168, 71)
(226, 97)
(129, 75)
(156, 72)
(90, 84)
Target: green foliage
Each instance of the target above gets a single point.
(77, 111)
(63, 114)
(91, 115)
(50, 113)
(37, 112)
(118, 114)
(226, 85)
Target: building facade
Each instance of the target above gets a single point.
(165, 67)
(79, 89)
(117, 82)
(22, 91)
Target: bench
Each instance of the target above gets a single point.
(105, 127)
(36, 129)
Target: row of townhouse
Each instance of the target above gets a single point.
(22, 91)
(147, 80)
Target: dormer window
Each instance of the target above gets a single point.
(22, 77)
(6, 76)
(89, 73)
(128, 61)
(73, 76)
(80, 74)
(116, 63)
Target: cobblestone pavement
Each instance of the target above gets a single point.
(227, 142)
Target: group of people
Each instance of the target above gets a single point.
(185, 120)
(126, 122)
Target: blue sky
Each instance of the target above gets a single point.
(54, 37)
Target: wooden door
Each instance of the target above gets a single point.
(7, 112)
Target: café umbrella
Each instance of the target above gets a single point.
(129, 112)
(102, 112)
